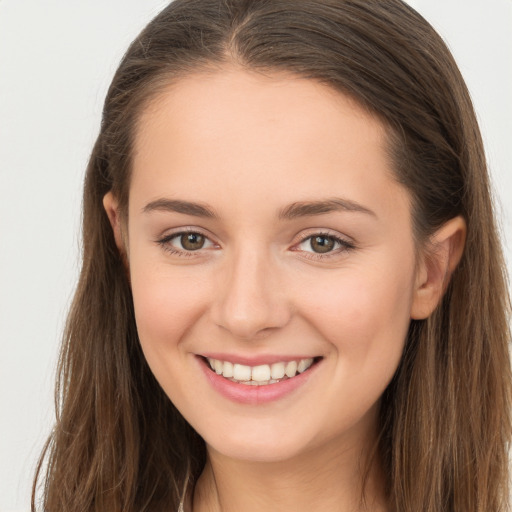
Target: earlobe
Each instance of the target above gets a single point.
(111, 206)
(436, 267)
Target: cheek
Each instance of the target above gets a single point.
(167, 304)
(365, 316)
(365, 322)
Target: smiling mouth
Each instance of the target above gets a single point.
(263, 374)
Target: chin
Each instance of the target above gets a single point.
(263, 442)
(261, 452)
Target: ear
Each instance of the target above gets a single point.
(436, 267)
(111, 206)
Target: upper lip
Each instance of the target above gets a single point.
(256, 360)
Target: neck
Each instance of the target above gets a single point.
(327, 479)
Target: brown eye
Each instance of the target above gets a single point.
(192, 241)
(322, 243)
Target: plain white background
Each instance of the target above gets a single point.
(56, 60)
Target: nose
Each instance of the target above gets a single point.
(252, 300)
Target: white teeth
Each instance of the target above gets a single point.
(291, 369)
(228, 369)
(304, 364)
(241, 372)
(259, 375)
(277, 370)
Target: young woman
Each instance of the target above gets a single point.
(292, 295)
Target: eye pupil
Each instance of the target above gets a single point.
(192, 241)
(322, 244)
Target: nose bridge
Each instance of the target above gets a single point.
(250, 301)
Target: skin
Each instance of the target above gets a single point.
(248, 146)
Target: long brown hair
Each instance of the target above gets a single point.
(119, 443)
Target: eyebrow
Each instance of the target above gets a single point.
(310, 208)
(185, 207)
(290, 212)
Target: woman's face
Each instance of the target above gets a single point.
(266, 235)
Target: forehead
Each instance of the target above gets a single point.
(245, 98)
(240, 129)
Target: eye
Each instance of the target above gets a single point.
(190, 241)
(185, 242)
(321, 243)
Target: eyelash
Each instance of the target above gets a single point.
(166, 246)
(342, 244)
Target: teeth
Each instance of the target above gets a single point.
(277, 370)
(261, 374)
(241, 372)
(228, 369)
(304, 364)
(291, 369)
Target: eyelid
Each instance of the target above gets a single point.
(346, 244)
(165, 241)
(310, 232)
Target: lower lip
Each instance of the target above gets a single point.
(254, 395)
